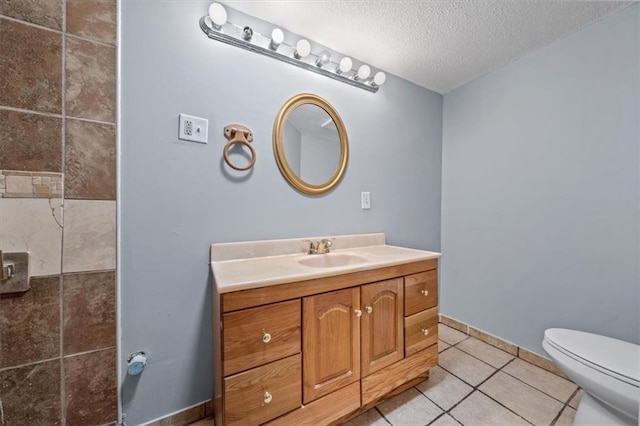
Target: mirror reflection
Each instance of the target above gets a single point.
(312, 144)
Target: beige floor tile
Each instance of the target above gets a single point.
(368, 418)
(443, 388)
(442, 345)
(410, 408)
(445, 420)
(521, 398)
(464, 366)
(480, 410)
(540, 379)
(449, 335)
(567, 417)
(576, 399)
(487, 353)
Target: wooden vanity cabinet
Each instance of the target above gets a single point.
(331, 342)
(321, 351)
(382, 335)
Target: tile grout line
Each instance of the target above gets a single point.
(28, 364)
(106, 348)
(29, 111)
(63, 393)
(54, 115)
(53, 30)
(382, 415)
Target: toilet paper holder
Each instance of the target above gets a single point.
(14, 272)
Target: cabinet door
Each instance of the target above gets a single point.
(382, 325)
(330, 342)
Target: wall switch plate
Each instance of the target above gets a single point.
(365, 200)
(194, 129)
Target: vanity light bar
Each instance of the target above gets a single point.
(216, 27)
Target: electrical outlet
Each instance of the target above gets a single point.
(194, 129)
(365, 200)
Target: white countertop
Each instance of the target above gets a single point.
(243, 266)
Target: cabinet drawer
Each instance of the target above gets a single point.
(260, 335)
(420, 331)
(420, 292)
(264, 393)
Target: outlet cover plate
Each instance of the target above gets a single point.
(193, 129)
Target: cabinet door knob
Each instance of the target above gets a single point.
(358, 312)
(425, 331)
(424, 292)
(369, 309)
(267, 397)
(266, 337)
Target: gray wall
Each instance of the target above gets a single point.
(540, 190)
(178, 197)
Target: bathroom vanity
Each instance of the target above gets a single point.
(318, 338)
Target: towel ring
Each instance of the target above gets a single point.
(241, 134)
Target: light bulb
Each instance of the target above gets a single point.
(323, 58)
(247, 33)
(379, 78)
(218, 15)
(345, 65)
(303, 48)
(277, 37)
(363, 72)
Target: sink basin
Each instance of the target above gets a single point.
(331, 260)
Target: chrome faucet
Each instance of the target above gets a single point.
(324, 246)
(321, 247)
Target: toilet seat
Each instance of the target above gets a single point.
(615, 358)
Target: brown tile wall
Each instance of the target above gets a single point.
(58, 151)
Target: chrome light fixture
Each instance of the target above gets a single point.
(301, 53)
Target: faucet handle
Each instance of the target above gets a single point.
(313, 248)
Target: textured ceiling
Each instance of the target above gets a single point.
(440, 45)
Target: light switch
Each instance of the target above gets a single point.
(365, 200)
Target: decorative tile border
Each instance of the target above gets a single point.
(515, 350)
(19, 184)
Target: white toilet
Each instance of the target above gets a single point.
(608, 370)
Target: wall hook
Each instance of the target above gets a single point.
(239, 133)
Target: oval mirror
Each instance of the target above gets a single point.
(310, 144)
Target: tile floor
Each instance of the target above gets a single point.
(476, 384)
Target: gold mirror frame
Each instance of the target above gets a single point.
(278, 144)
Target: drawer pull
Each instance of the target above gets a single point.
(424, 292)
(358, 313)
(369, 309)
(266, 337)
(267, 397)
(425, 331)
